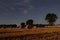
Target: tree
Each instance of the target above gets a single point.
(29, 23)
(51, 18)
(22, 25)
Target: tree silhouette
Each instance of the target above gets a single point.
(22, 25)
(29, 23)
(51, 18)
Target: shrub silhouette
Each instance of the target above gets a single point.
(22, 25)
(29, 23)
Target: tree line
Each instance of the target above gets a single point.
(50, 18)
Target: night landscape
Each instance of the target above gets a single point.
(29, 19)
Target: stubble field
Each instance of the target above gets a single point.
(48, 33)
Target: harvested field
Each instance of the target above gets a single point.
(48, 33)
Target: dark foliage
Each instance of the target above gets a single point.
(22, 25)
(51, 18)
(39, 25)
(8, 26)
(29, 23)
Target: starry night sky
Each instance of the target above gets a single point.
(17, 11)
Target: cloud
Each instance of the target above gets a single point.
(31, 7)
(26, 6)
(25, 11)
(26, 1)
